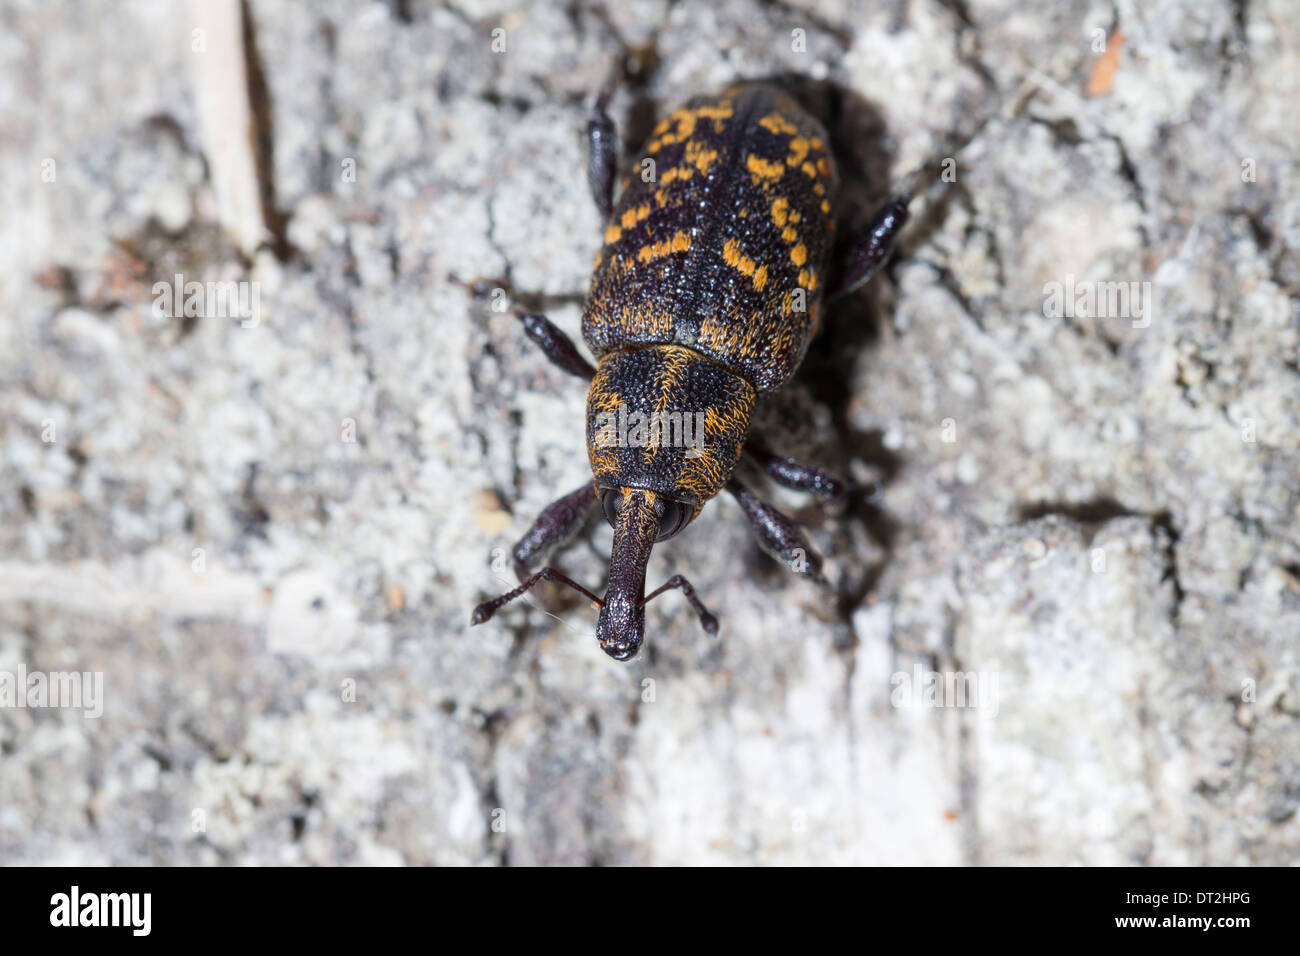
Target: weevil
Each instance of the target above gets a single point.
(712, 277)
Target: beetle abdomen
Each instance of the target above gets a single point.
(721, 245)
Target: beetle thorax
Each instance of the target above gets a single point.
(667, 419)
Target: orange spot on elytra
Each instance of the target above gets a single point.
(680, 242)
(731, 252)
(780, 206)
(763, 168)
(798, 151)
(685, 124)
(700, 156)
(776, 123)
(677, 172)
(733, 257)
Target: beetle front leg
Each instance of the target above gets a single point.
(797, 475)
(557, 346)
(874, 248)
(602, 149)
(778, 535)
(553, 527)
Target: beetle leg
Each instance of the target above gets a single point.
(795, 474)
(485, 610)
(602, 149)
(707, 620)
(553, 527)
(778, 535)
(559, 348)
(874, 248)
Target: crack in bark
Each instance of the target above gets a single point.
(263, 136)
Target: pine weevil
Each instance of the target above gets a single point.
(710, 283)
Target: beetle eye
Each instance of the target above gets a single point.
(674, 519)
(611, 500)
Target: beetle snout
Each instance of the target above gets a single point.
(622, 652)
(620, 629)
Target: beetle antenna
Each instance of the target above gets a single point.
(485, 610)
(707, 620)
